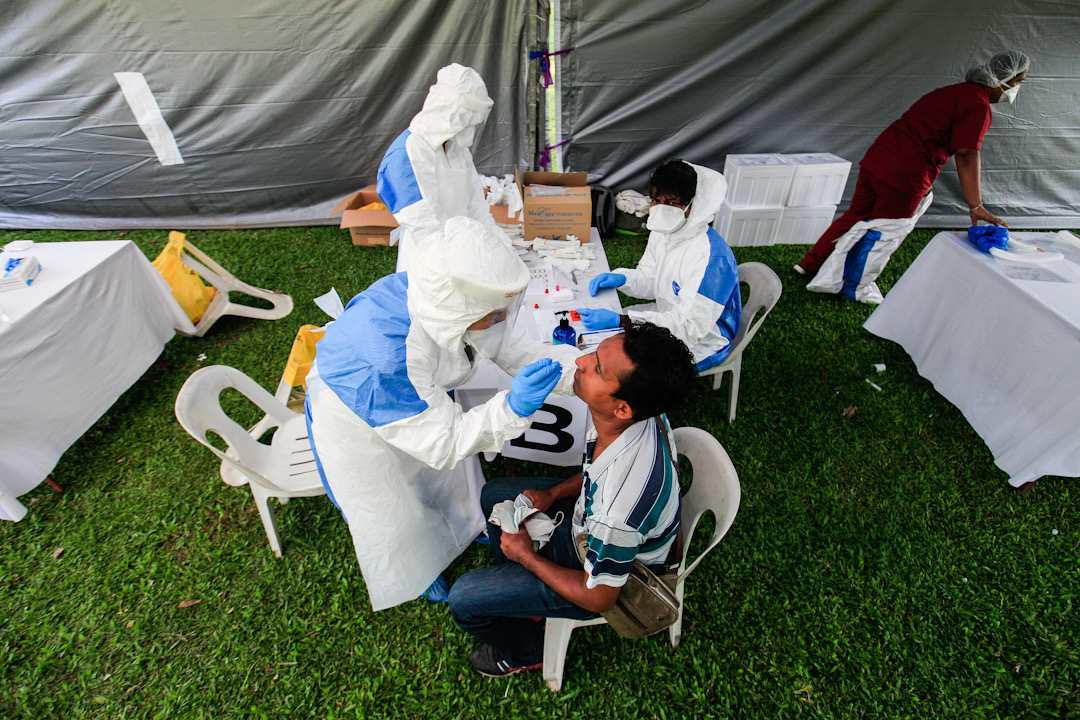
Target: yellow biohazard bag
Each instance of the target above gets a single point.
(188, 288)
(302, 355)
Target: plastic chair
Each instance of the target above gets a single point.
(224, 282)
(715, 488)
(283, 469)
(764, 290)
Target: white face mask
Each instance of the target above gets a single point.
(665, 218)
(1009, 94)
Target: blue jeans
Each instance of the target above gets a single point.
(496, 604)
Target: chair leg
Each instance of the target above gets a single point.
(556, 640)
(733, 403)
(675, 631)
(262, 501)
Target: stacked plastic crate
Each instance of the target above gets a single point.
(774, 198)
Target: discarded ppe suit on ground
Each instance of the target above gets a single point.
(395, 452)
(859, 257)
(693, 276)
(427, 175)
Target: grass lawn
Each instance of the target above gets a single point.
(880, 565)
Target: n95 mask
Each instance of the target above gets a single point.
(1009, 94)
(665, 218)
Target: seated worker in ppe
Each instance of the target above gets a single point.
(687, 267)
(626, 499)
(427, 175)
(388, 438)
(902, 164)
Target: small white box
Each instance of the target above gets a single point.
(18, 272)
(819, 179)
(804, 224)
(748, 226)
(762, 180)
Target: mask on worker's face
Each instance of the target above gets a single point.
(1009, 94)
(665, 218)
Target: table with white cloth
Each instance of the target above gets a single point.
(557, 434)
(999, 339)
(91, 323)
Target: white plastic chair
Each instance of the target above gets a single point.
(764, 290)
(715, 487)
(283, 469)
(225, 283)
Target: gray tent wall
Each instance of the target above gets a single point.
(649, 80)
(278, 108)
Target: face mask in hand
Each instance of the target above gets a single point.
(665, 218)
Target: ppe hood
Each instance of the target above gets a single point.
(456, 101)
(460, 275)
(708, 197)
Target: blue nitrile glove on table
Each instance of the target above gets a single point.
(599, 319)
(531, 386)
(985, 237)
(606, 280)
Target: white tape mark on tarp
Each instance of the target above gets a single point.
(148, 115)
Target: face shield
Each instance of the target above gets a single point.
(488, 335)
(480, 109)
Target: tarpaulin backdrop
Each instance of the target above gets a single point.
(276, 108)
(266, 112)
(648, 80)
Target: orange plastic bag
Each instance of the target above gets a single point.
(302, 355)
(188, 288)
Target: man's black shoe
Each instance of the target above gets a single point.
(486, 661)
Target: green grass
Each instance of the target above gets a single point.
(880, 565)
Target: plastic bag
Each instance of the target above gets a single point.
(188, 288)
(985, 237)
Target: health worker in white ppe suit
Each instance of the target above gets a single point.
(395, 452)
(687, 268)
(427, 176)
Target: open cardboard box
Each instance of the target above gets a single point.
(554, 216)
(367, 227)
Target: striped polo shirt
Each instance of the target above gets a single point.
(629, 503)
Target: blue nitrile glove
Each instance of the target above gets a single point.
(599, 319)
(531, 386)
(603, 280)
(985, 237)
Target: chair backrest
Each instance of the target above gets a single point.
(198, 408)
(764, 290)
(715, 487)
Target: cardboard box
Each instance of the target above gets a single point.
(760, 180)
(748, 226)
(819, 179)
(367, 227)
(501, 214)
(804, 224)
(554, 214)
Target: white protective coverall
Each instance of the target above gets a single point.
(854, 274)
(693, 276)
(424, 183)
(396, 453)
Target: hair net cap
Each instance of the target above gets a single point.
(461, 274)
(1000, 69)
(456, 101)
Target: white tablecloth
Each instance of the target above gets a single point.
(1001, 341)
(92, 322)
(557, 435)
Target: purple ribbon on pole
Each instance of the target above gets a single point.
(545, 154)
(545, 61)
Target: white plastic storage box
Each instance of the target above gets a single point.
(804, 224)
(748, 226)
(760, 181)
(819, 179)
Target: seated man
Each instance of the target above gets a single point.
(687, 267)
(626, 499)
